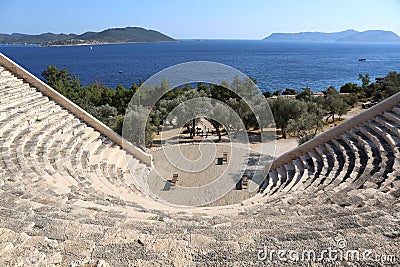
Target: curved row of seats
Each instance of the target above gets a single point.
(41, 138)
(35, 232)
(67, 197)
(45, 147)
(363, 157)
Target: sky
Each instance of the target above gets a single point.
(200, 19)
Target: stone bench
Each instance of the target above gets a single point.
(391, 117)
(7, 80)
(385, 153)
(350, 157)
(337, 158)
(300, 174)
(384, 143)
(27, 98)
(327, 165)
(309, 171)
(281, 175)
(365, 147)
(363, 158)
(318, 169)
(13, 93)
(389, 132)
(373, 144)
(290, 174)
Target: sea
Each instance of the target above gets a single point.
(275, 66)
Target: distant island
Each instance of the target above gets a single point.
(109, 36)
(343, 36)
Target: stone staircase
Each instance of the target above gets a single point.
(67, 198)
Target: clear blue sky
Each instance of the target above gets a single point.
(208, 19)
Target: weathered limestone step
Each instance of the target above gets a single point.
(21, 112)
(374, 148)
(301, 174)
(339, 161)
(316, 161)
(9, 81)
(388, 154)
(270, 183)
(326, 163)
(350, 159)
(363, 157)
(307, 177)
(11, 93)
(389, 132)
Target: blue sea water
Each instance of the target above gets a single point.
(274, 65)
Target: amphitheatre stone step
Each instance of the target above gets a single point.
(11, 93)
(388, 153)
(315, 162)
(373, 150)
(327, 162)
(363, 158)
(389, 132)
(69, 195)
(338, 158)
(350, 157)
(300, 172)
(8, 80)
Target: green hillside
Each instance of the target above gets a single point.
(116, 35)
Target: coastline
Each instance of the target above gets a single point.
(86, 44)
(105, 43)
(268, 70)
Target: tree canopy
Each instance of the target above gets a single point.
(300, 113)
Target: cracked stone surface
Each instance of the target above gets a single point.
(66, 198)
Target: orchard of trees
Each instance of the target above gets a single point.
(297, 113)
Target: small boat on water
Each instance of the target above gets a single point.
(362, 59)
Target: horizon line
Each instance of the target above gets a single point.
(201, 38)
